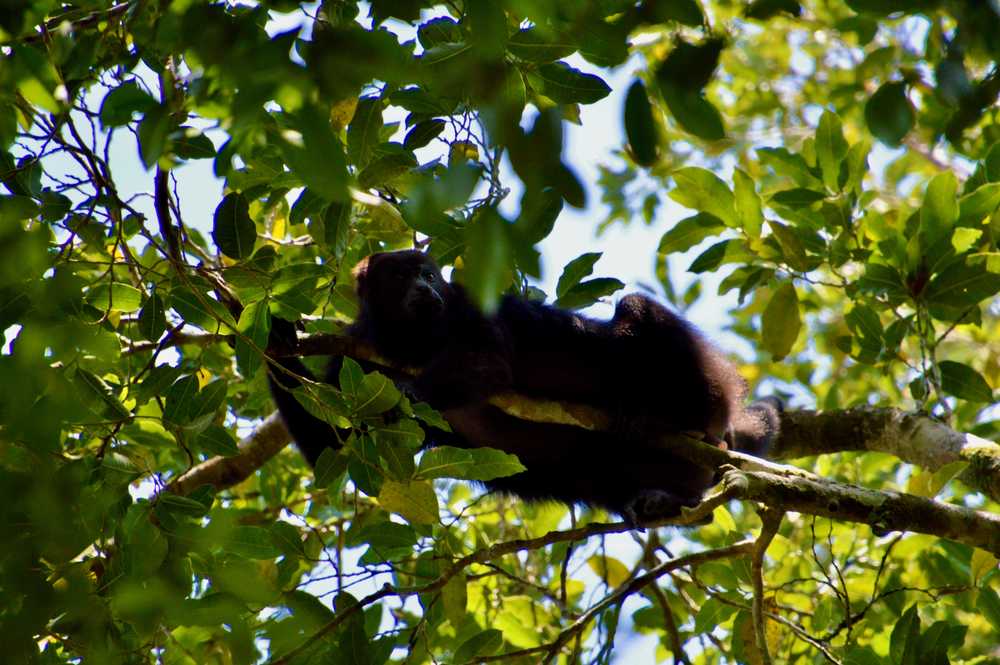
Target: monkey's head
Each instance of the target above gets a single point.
(402, 287)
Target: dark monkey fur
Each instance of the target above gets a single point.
(647, 367)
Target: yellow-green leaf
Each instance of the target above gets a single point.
(781, 321)
(415, 500)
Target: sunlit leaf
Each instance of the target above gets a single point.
(781, 321)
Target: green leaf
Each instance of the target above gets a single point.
(690, 66)
(251, 339)
(991, 163)
(687, 12)
(857, 655)
(791, 165)
(216, 440)
(336, 228)
(689, 232)
(98, 390)
(781, 321)
(397, 443)
(233, 231)
(531, 45)
(54, 206)
(539, 211)
(857, 166)
(798, 197)
(889, 114)
(420, 101)
(317, 156)
(487, 24)
(350, 377)
(189, 143)
(487, 258)
(152, 320)
(153, 131)
(765, 9)
(905, 638)
(394, 162)
(712, 613)
(693, 112)
(16, 209)
(423, 133)
(376, 394)
(455, 598)
(748, 206)
(253, 542)
(726, 251)
(388, 537)
(180, 398)
(566, 85)
(122, 103)
(466, 464)
(792, 249)
(882, 279)
(200, 309)
(640, 128)
(116, 297)
(437, 31)
(415, 501)
(363, 465)
(962, 284)
(964, 382)
(865, 324)
(940, 209)
(488, 464)
(479, 645)
(979, 204)
(364, 132)
(702, 190)
(831, 148)
(330, 466)
(588, 292)
(937, 639)
(576, 270)
(988, 604)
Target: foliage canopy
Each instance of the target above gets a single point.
(841, 164)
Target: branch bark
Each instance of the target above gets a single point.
(882, 510)
(223, 472)
(913, 438)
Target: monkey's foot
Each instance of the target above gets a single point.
(654, 505)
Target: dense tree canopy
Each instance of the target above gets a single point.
(840, 164)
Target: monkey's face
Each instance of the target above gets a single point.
(406, 287)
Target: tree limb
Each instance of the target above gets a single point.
(222, 472)
(883, 510)
(913, 438)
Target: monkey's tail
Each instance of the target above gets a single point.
(311, 434)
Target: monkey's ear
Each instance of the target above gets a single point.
(360, 274)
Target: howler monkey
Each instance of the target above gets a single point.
(646, 366)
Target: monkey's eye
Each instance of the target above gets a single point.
(430, 277)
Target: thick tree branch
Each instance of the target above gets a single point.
(911, 437)
(222, 472)
(883, 510)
